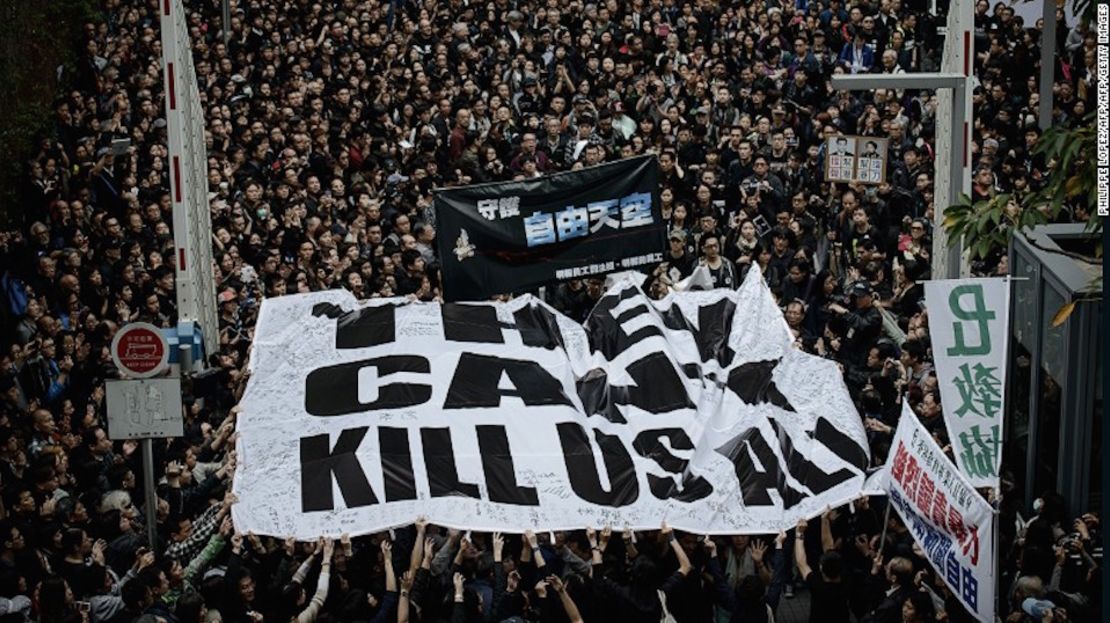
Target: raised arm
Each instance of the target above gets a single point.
(534, 545)
(759, 557)
(800, 549)
(403, 598)
(684, 566)
(309, 614)
(778, 572)
(595, 551)
(390, 600)
(306, 566)
(417, 556)
(556, 583)
(387, 562)
(429, 553)
(629, 543)
(828, 544)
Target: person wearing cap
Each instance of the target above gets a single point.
(862, 321)
(680, 261)
(529, 100)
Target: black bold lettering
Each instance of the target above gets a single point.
(479, 324)
(755, 482)
(658, 389)
(319, 462)
(396, 455)
(754, 384)
(497, 463)
(624, 489)
(840, 444)
(333, 390)
(369, 326)
(538, 327)
(805, 471)
(471, 323)
(607, 336)
(439, 461)
(477, 376)
(649, 445)
(711, 334)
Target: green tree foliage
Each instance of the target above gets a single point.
(986, 226)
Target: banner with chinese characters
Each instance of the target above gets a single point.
(696, 409)
(948, 518)
(512, 236)
(969, 323)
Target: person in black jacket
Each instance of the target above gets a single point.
(889, 587)
(638, 599)
(863, 324)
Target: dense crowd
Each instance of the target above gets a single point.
(328, 124)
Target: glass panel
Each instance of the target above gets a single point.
(1024, 304)
(1054, 344)
(1048, 435)
(1053, 351)
(1015, 447)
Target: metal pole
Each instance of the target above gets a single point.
(227, 21)
(186, 359)
(886, 522)
(151, 496)
(1048, 64)
(956, 165)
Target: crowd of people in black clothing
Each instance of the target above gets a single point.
(328, 125)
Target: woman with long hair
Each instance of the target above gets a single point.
(55, 602)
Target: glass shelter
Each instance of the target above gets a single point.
(1053, 430)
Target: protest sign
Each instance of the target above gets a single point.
(951, 522)
(696, 409)
(969, 322)
(507, 237)
(860, 159)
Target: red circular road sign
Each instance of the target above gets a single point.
(140, 350)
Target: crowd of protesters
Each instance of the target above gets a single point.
(328, 124)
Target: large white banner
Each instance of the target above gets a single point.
(968, 322)
(696, 409)
(951, 522)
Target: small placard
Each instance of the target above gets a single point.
(144, 408)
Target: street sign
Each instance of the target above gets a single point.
(144, 408)
(140, 350)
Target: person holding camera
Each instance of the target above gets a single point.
(861, 321)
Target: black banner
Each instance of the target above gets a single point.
(510, 236)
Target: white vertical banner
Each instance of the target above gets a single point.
(951, 522)
(969, 321)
